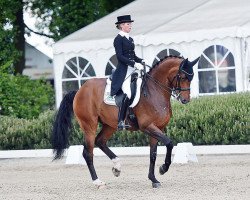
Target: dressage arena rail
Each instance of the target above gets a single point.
(132, 151)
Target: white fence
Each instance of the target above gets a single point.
(133, 151)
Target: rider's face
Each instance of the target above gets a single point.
(126, 27)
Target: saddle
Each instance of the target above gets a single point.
(135, 87)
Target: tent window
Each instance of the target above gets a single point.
(164, 53)
(69, 86)
(216, 71)
(112, 63)
(76, 71)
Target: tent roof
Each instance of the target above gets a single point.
(162, 21)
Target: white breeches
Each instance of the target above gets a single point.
(126, 84)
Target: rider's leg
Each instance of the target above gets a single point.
(125, 102)
(122, 113)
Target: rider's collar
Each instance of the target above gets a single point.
(124, 34)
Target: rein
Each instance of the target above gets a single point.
(163, 87)
(175, 91)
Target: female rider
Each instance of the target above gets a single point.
(127, 62)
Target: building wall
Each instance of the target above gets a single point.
(37, 64)
(36, 59)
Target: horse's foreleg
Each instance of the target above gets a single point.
(153, 155)
(164, 168)
(156, 133)
(101, 141)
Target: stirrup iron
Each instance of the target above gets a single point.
(122, 126)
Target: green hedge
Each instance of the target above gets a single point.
(209, 120)
(18, 133)
(21, 97)
(222, 119)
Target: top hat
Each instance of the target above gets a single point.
(123, 19)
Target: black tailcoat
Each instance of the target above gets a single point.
(125, 53)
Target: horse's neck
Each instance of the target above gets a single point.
(162, 71)
(159, 91)
(162, 75)
(159, 87)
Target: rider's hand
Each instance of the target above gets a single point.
(139, 66)
(143, 62)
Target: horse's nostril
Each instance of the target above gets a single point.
(184, 101)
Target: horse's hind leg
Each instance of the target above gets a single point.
(89, 144)
(101, 141)
(153, 154)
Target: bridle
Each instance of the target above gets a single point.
(176, 90)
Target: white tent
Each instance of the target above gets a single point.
(219, 30)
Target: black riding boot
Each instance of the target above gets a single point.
(122, 114)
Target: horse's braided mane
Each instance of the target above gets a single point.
(165, 58)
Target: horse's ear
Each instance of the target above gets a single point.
(184, 63)
(187, 68)
(192, 63)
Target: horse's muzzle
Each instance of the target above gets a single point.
(183, 100)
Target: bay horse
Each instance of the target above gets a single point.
(170, 76)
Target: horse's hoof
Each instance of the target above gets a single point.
(116, 172)
(163, 169)
(99, 184)
(100, 187)
(156, 185)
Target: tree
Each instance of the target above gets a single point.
(21, 97)
(111, 5)
(55, 19)
(12, 33)
(19, 40)
(63, 17)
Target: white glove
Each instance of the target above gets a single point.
(139, 66)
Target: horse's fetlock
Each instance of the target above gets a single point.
(151, 176)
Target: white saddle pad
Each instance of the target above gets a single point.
(111, 101)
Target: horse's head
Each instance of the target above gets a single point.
(181, 78)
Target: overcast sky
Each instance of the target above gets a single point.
(36, 40)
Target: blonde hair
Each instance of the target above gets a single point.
(118, 26)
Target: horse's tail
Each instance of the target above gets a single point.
(62, 125)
